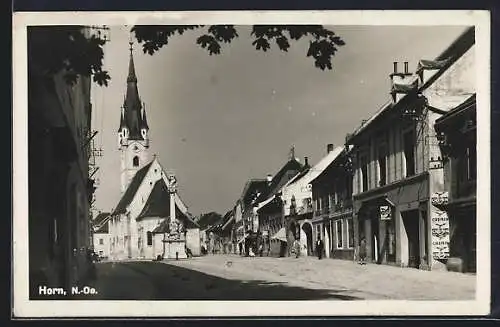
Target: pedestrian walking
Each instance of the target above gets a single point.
(296, 248)
(319, 248)
(240, 246)
(362, 251)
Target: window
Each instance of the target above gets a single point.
(338, 234)
(382, 166)
(150, 238)
(331, 200)
(101, 241)
(329, 232)
(471, 162)
(348, 182)
(331, 226)
(135, 161)
(326, 202)
(350, 233)
(364, 174)
(409, 153)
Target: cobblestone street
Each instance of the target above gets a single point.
(238, 278)
(367, 282)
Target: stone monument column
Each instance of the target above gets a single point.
(176, 241)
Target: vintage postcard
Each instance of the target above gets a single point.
(275, 163)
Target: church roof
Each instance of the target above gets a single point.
(100, 218)
(292, 165)
(158, 205)
(99, 222)
(163, 227)
(128, 196)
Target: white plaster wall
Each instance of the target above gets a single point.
(147, 224)
(403, 240)
(300, 190)
(128, 169)
(158, 244)
(105, 247)
(456, 84)
(193, 240)
(238, 213)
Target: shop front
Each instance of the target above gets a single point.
(394, 222)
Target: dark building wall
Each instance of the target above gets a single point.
(458, 142)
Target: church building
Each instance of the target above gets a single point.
(150, 219)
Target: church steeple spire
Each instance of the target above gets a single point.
(132, 106)
(133, 138)
(131, 78)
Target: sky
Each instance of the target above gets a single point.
(217, 121)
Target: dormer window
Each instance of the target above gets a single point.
(135, 161)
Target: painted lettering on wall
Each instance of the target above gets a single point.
(440, 229)
(439, 198)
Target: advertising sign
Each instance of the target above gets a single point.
(440, 229)
(385, 213)
(439, 198)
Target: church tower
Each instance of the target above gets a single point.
(133, 138)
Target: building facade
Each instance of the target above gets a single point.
(60, 189)
(398, 163)
(457, 137)
(243, 210)
(100, 235)
(268, 211)
(333, 212)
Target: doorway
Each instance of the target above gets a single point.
(375, 238)
(411, 224)
(391, 240)
(307, 228)
(470, 236)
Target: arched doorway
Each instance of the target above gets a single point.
(306, 237)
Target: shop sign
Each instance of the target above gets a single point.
(385, 213)
(439, 198)
(440, 230)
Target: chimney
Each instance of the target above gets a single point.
(400, 82)
(329, 148)
(269, 178)
(306, 161)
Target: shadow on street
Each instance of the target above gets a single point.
(122, 281)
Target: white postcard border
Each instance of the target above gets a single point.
(22, 307)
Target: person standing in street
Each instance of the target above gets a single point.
(319, 248)
(362, 251)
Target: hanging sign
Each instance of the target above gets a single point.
(439, 198)
(440, 229)
(385, 213)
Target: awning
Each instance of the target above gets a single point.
(280, 235)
